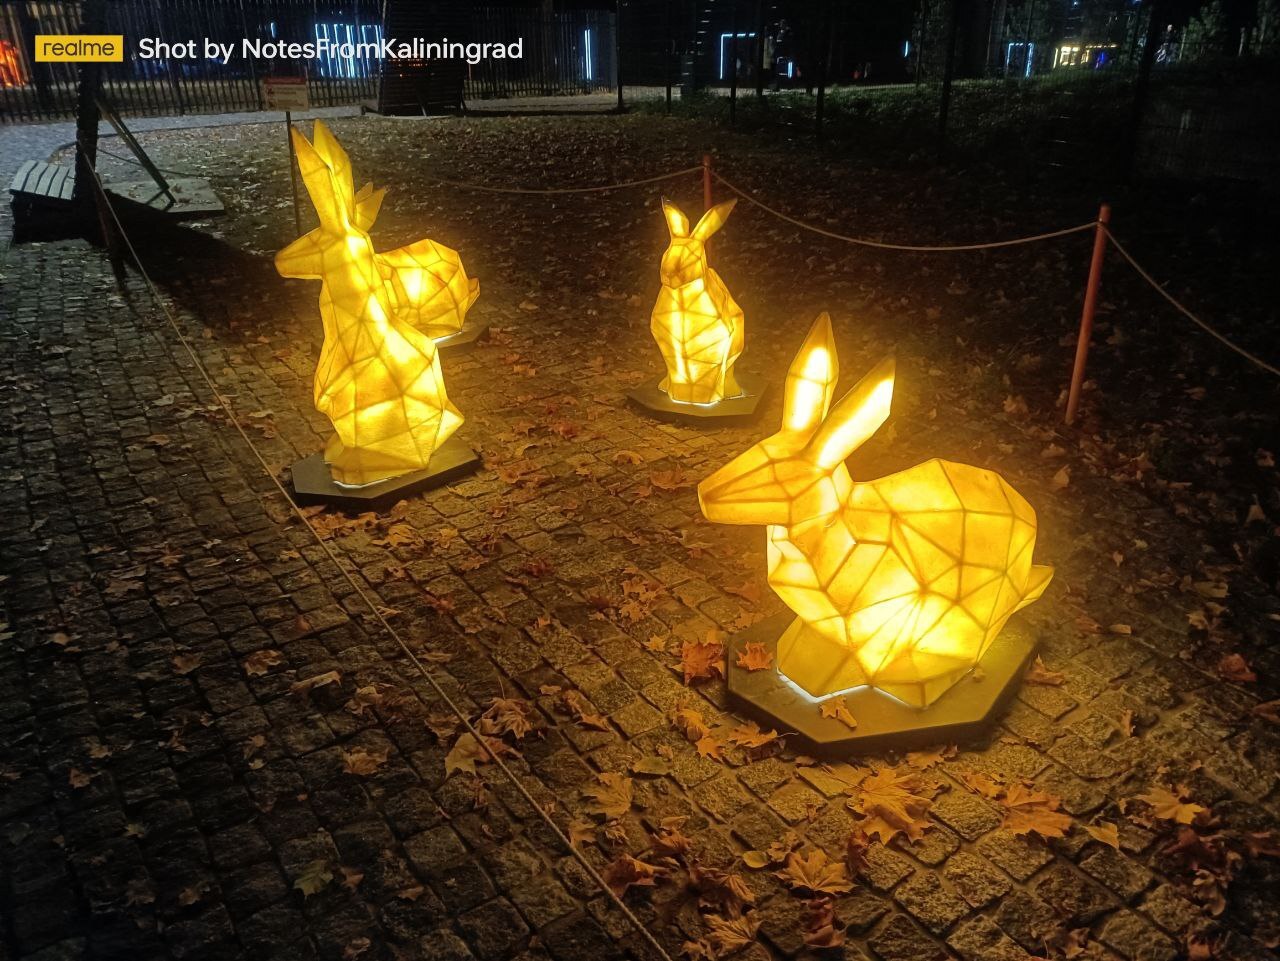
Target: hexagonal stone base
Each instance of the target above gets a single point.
(463, 340)
(652, 400)
(883, 721)
(313, 484)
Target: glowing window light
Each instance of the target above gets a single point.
(723, 38)
(379, 379)
(332, 60)
(587, 65)
(900, 583)
(1030, 57)
(699, 328)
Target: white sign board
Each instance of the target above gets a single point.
(286, 93)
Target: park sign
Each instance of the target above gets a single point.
(286, 93)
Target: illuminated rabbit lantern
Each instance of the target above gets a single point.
(900, 583)
(698, 326)
(379, 378)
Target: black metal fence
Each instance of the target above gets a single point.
(563, 53)
(177, 83)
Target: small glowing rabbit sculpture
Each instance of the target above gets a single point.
(900, 583)
(378, 379)
(697, 324)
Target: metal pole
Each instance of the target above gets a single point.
(1086, 315)
(706, 181)
(733, 64)
(924, 22)
(293, 171)
(824, 57)
(1140, 86)
(671, 54)
(759, 48)
(87, 116)
(617, 54)
(948, 73)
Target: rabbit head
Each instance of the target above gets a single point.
(686, 257)
(799, 473)
(345, 215)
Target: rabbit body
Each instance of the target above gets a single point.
(902, 582)
(378, 379)
(430, 287)
(699, 328)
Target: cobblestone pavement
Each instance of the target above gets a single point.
(209, 750)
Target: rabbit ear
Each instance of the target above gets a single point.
(318, 179)
(713, 220)
(811, 379)
(856, 416)
(339, 163)
(677, 222)
(368, 201)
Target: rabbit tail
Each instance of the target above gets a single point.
(1037, 581)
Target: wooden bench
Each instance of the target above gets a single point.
(38, 182)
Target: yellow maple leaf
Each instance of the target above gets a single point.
(363, 762)
(754, 656)
(1037, 673)
(627, 872)
(465, 754)
(1170, 806)
(836, 707)
(690, 721)
(815, 872)
(612, 797)
(1106, 832)
(894, 800)
(1027, 810)
(702, 659)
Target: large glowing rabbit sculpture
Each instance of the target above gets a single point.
(698, 326)
(378, 379)
(900, 583)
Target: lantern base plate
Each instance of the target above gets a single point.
(313, 483)
(884, 722)
(464, 340)
(654, 401)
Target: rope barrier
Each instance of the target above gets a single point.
(138, 163)
(1177, 305)
(563, 190)
(375, 608)
(881, 245)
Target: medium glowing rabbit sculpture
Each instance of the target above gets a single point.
(698, 326)
(379, 378)
(900, 583)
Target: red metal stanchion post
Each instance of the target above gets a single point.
(1086, 314)
(706, 181)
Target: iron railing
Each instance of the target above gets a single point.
(563, 53)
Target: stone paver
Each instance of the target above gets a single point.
(173, 786)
